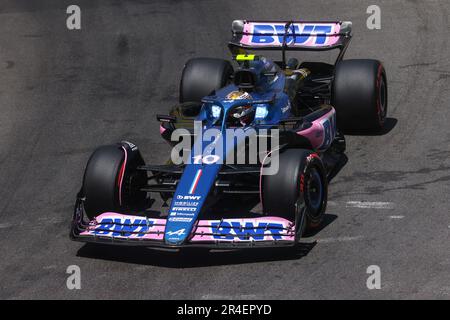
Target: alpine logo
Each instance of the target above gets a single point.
(176, 233)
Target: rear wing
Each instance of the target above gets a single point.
(291, 35)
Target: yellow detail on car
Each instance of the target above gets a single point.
(245, 57)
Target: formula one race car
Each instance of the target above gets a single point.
(253, 148)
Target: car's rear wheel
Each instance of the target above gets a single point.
(360, 96)
(201, 76)
(111, 181)
(301, 175)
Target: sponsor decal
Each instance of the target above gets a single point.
(298, 34)
(183, 214)
(123, 227)
(196, 198)
(180, 219)
(186, 203)
(329, 130)
(110, 224)
(246, 231)
(253, 229)
(184, 209)
(242, 230)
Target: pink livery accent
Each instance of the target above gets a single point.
(121, 174)
(161, 129)
(322, 131)
(116, 225)
(274, 38)
(244, 230)
(121, 226)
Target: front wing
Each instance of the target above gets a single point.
(135, 230)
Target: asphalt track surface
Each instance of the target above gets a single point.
(62, 93)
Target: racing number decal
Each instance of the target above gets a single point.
(209, 159)
(327, 133)
(329, 130)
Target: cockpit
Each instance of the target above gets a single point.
(251, 98)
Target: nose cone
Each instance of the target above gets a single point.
(175, 238)
(190, 195)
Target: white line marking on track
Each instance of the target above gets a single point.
(369, 205)
(50, 267)
(340, 239)
(396, 217)
(363, 204)
(5, 225)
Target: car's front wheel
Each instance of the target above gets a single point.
(300, 177)
(111, 181)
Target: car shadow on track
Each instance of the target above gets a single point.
(192, 258)
(327, 220)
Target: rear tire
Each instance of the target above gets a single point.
(359, 95)
(110, 184)
(301, 173)
(201, 76)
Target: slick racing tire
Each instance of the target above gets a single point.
(111, 181)
(301, 176)
(360, 96)
(201, 76)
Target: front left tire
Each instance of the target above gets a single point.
(111, 182)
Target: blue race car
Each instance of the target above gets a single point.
(254, 147)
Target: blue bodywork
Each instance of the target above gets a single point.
(270, 104)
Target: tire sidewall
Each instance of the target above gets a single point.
(356, 95)
(100, 180)
(313, 217)
(110, 179)
(281, 194)
(381, 79)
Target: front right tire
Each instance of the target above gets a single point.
(301, 175)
